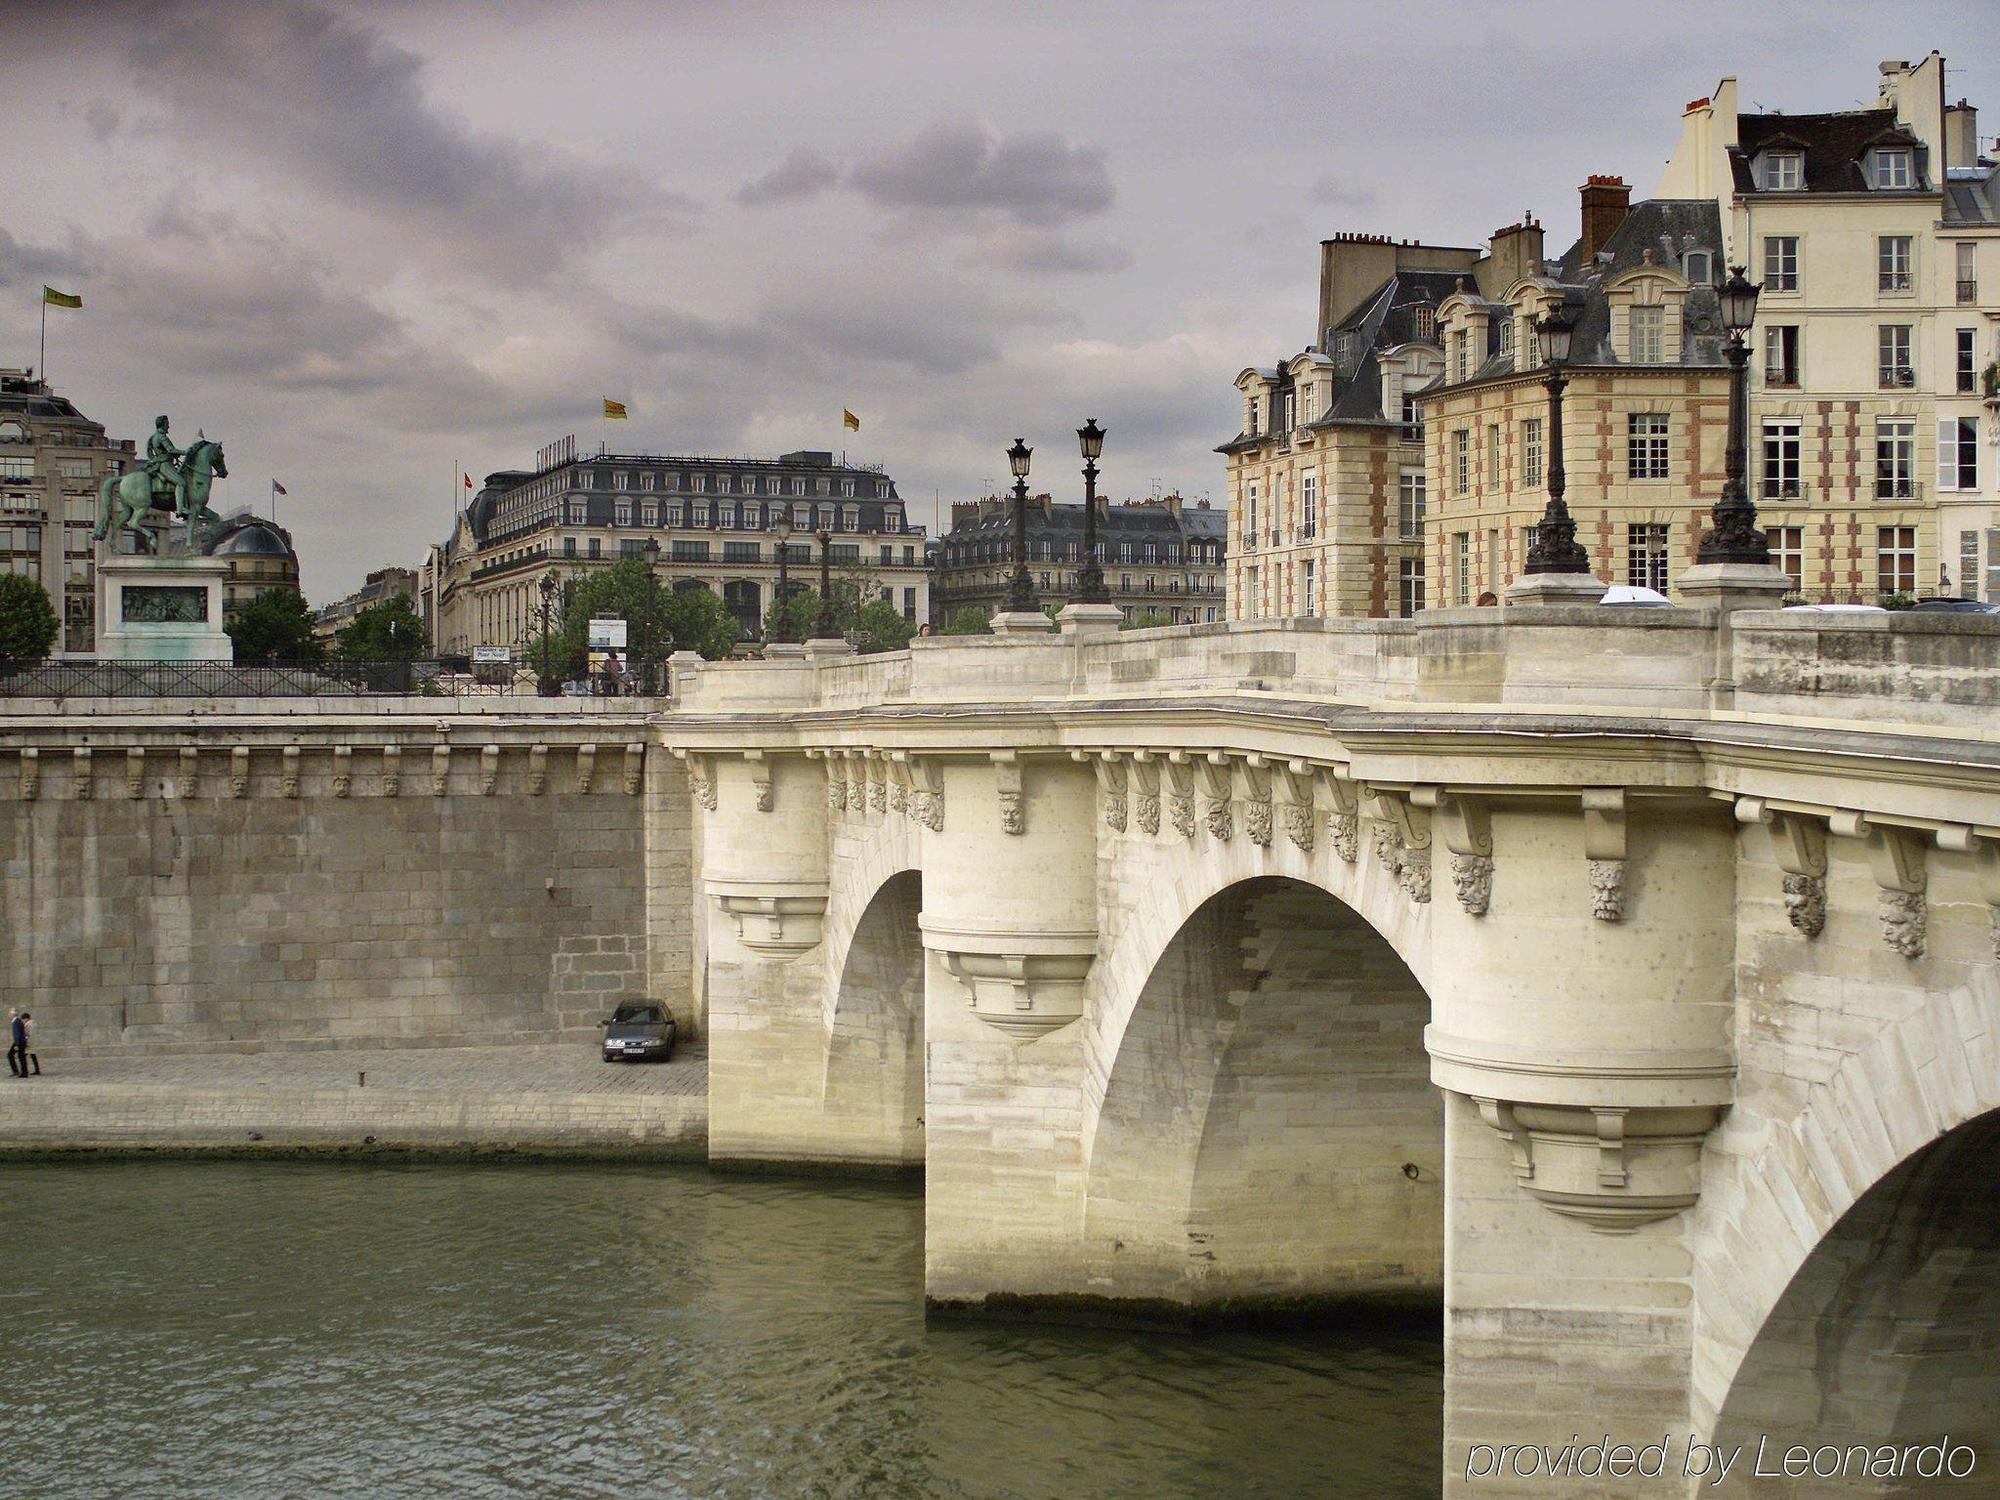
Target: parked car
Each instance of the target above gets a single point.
(1954, 606)
(638, 1031)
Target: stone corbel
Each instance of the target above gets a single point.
(1604, 850)
(489, 769)
(1896, 860)
(877, 771)
(781, 919)
(758, 764)
(1112, 781)
(31, 774)
(343, 770)
(86, 786)
(288, 770)
(1985, 853)
(836, 780)
(897, 767)
(1218, 791)
(1007, 783)
(135, 772)
(440, 770)
(927, 792)
(1403, 838)
(189, 780)
(239, 771)
(700, 775)
(1343, 818)
(1610, 1167)
(1146, 791)
(635, 767)
(392, 771)
(1466, 825)
(1024, 984)
(586, 768)
(538, 770)
(1798, 844)
(1180, 796)
(1301, 810)
(1254, 776)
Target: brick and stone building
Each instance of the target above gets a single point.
(1160, 556)
(712, 518)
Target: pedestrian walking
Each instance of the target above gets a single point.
(14, 1038)
(28, 1057)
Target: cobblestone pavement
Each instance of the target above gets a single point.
(569, 1068)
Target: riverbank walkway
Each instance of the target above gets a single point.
(557, 1100)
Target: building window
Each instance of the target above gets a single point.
(596, 548)
(1781, 458)
(1459, 355)
(1461, 567)
(1698, 266)
(1493, 455)
(1646, 445)
(1250, 516)
(1780, 172)
(649, 513)
(1309, 506)
(1781, 263)
(1461, 461)
(1788, 552)
(1649, 335)
(569, 546)
(1531, 452)
(1958, 453)
(1892, 169)
(1781, 355)
(1896, 559)
(629, 547)
(1968, 278)
(1410, 504)
(1893, 356)
(673, 515)
(1423, 321)
(686, 551)
(621, 513)
(1306, 578)
(739, 552)
(1413, 420)
(1892, 263)
(1410, 586)
(1967, 358)
(1895, 458)
(1646, 555)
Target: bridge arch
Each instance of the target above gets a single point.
(1852, 1290)
(1267, 1132)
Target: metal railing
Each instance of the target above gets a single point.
(172, 679)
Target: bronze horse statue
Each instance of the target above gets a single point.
(123, 498)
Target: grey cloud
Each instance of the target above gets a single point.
(801, 175)
(1035, 178)
(341, 107)
(1042, 253)
(1337, 192)
(103, 119)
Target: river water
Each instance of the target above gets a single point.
(262, 1329)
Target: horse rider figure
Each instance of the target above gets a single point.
(163, 463)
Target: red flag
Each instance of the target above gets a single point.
(278, 489)
(468, 481)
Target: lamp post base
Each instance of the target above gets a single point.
(1555, 588)
(1733, 586)
(1082, 619)
(1021, 622)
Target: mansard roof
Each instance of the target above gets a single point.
(1834, 147)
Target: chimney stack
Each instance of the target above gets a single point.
(1605, 203)
(1961, 135)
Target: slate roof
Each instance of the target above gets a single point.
(1835, 147)
(1972, 196)
(1061, 521)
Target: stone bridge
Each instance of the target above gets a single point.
(1623, 982)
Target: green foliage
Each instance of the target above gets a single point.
(1897, 601)
(886, 627)
(389, 631)
(1989, 378)
(853, 609)
(28, 623)
(1146, 619)
(967, 619)
(274, 626)
(658, 621)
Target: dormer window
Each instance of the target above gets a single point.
(1423, 321)
(1506, 335)
(1892, 168)
(1780, 172)
(1698, 267)
(1291, 410)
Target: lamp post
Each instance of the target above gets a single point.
(651, 552)
(1021, 598)
(1734, 538)
(546, 685)
(823, 622)
(1090, 587)
(782, 631)
(1555, 548)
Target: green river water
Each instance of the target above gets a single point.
(173, 1329)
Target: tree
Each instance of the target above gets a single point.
(1146, 619)
(28, 623)
(275, 626)
(967, 619)
(389, 631)
(658, 620)
(886, 627)
(884, 624)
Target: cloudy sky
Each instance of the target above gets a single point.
(363, 243)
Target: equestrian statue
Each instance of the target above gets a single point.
(171, 478)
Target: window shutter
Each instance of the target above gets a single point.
(1947, 453)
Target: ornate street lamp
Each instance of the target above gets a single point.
(782, 631)
(651, 552)
(1555, 548)
(1735, 538)
(546, 684)
(1090, 587)
(1021, 598)
(823, 622)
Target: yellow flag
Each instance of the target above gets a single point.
(848, 420)
(55, 298)
(614, 409)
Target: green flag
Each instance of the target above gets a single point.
(53, 298)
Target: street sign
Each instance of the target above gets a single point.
(607, 635)
(492, 656)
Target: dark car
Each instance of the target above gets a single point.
(638, 1032)
(1948, 606)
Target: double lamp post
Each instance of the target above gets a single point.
(1090, 589)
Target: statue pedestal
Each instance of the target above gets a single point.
(160, 608)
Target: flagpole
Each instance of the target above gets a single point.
(45, 337)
